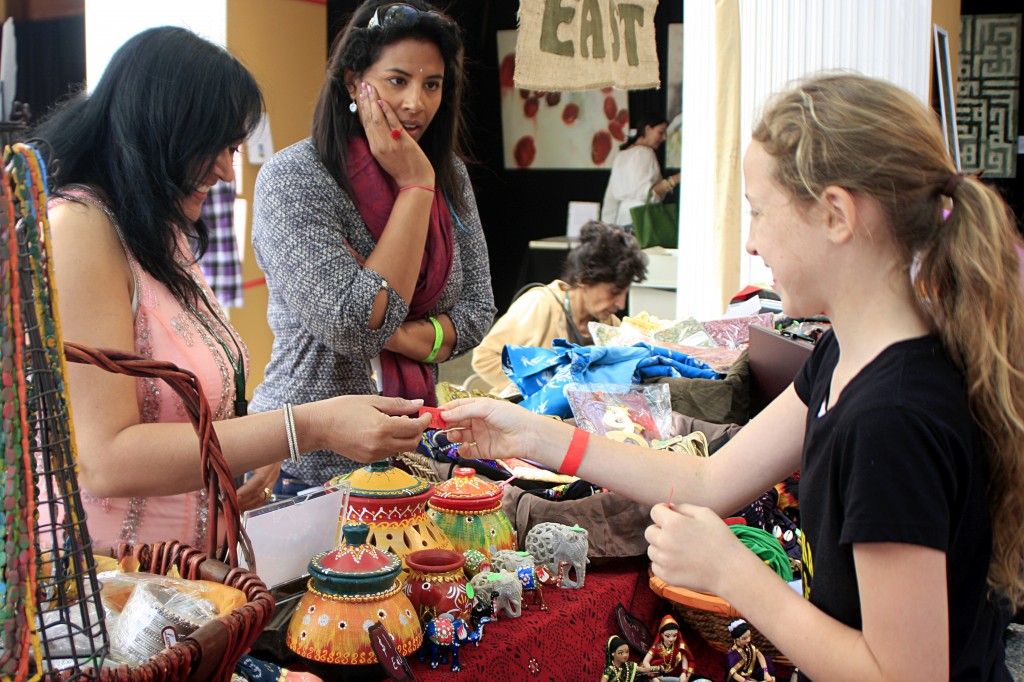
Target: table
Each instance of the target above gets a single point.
(564, 643)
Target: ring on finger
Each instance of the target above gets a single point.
(396, 133)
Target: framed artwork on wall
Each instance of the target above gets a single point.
(579, 130)
(988, 93)
(944, 92)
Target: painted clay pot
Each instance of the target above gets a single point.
(350, 588)
(468, 510)
(393, 504)
(436, 584)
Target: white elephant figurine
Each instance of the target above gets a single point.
(511, 560)
(551, 544)
(504, 588)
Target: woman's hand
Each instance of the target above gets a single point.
(401, 157)
(689, 545)
(491, 429)
(364, 428)
(253, 493)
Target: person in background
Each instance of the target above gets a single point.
(635, 172)
(595, 282)
(906, 422)
(130, 166)
(368, 232)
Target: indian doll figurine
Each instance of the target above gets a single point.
(669, 658)
(744, 661)
(617, 666)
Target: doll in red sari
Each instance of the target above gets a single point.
(669, 654)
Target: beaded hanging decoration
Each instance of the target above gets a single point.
(18, 645)
(51, 601)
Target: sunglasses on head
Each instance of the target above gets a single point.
(400, 14)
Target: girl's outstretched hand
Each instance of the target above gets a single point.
(690, 545)
(488, 428)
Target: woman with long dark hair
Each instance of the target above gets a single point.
(130, 167)
(636, 174)
(368, 232)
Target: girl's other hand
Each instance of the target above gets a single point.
(399, 155)
(689, 545)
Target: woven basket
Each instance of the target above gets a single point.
(421, 466)
(710, 617)
(209, 653)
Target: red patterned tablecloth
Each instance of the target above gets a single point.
(563, 643)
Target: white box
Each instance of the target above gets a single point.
(659, 302)
(662, 267)
(580, 213)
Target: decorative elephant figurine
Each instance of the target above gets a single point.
(446, 634)
(530, 575)
(504, 587)
(554, 543)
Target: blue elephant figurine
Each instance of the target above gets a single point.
(446, 634)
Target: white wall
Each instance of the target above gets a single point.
(109, 23)
(781, 40)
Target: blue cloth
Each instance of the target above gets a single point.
(541, 373)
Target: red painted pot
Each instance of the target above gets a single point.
(436, 584)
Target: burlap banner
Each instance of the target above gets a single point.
(585, 44)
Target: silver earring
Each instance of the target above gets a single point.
(352, 107)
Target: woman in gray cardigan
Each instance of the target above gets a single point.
(368, 232)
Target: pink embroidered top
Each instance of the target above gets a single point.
(166, 330)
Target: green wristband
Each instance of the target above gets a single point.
(438, 338)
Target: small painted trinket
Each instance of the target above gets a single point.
(476, 562)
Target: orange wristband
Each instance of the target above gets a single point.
(574, 455)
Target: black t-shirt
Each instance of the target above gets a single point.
(898, 458)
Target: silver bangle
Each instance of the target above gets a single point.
(289, 430)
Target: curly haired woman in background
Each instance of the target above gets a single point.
(594, 285)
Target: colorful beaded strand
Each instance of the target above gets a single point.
(23, 634)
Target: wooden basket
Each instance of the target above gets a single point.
(710, 617)
(209, 653)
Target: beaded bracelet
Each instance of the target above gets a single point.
(438, 338)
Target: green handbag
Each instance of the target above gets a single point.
(656, 224)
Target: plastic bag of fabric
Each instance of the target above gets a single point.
(542, 373)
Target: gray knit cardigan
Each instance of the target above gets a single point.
(321, 299)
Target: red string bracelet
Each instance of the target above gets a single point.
(429, 189)
(574, 454)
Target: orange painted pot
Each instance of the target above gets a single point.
(350, 588)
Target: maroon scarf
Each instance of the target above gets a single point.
(374, 196)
